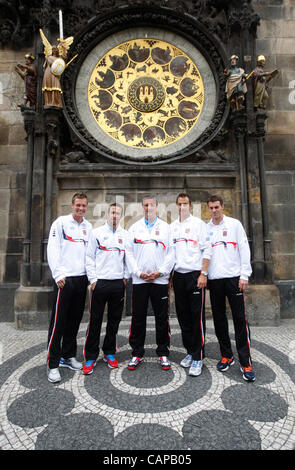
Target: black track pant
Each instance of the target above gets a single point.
(219, 290)
(67, 313)
(158, 294)
(112, 293)
(190, 310)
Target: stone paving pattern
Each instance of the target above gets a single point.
(148, 409)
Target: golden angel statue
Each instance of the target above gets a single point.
(54, 65)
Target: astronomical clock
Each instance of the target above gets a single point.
(144, 94)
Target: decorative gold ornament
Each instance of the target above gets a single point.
(146, 93)
(260, 58)
(63, 45)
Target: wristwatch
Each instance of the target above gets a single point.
(205, 273)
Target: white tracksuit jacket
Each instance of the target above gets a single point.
(230, 250)
(109, 254)
(152, 250)
(191, 244)
(66, 249)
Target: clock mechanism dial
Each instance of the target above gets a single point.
(146, 93)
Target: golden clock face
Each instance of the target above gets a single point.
(146, 93)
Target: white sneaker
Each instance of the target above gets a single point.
(134, 362)
(165, 363)
(71, 363)
(53, 375)
(196, 368)
(187, 361)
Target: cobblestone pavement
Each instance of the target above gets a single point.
(148, 408)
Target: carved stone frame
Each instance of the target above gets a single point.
(182, 24)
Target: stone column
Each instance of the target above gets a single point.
(255, 207)
(52, 118)
(29, 124)
(262, 297)
(239, 125)
(261, 116)
(32, 302)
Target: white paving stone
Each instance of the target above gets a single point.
(278, 435)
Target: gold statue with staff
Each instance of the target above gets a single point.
(261, 81)
(236, 88)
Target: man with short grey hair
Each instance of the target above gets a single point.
(154, 259)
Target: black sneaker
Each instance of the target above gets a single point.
(248, 373)
(225, 363)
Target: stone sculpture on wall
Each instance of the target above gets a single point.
(261, 80)
(235, 84)
(28, 72)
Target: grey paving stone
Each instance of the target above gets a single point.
(148, 409)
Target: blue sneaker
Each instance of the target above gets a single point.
(111, 360)
(71, 363)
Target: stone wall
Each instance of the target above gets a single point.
(276, 40)
(12, 176)
(130, 198)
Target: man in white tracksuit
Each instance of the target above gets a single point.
(228, 275)
(192, 256)
(109, 263)
(66, 252)
(154, 259)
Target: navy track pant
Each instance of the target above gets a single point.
(67, 313)
(190, 310)
(110, 292)
(159, 296)
(220, 289)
